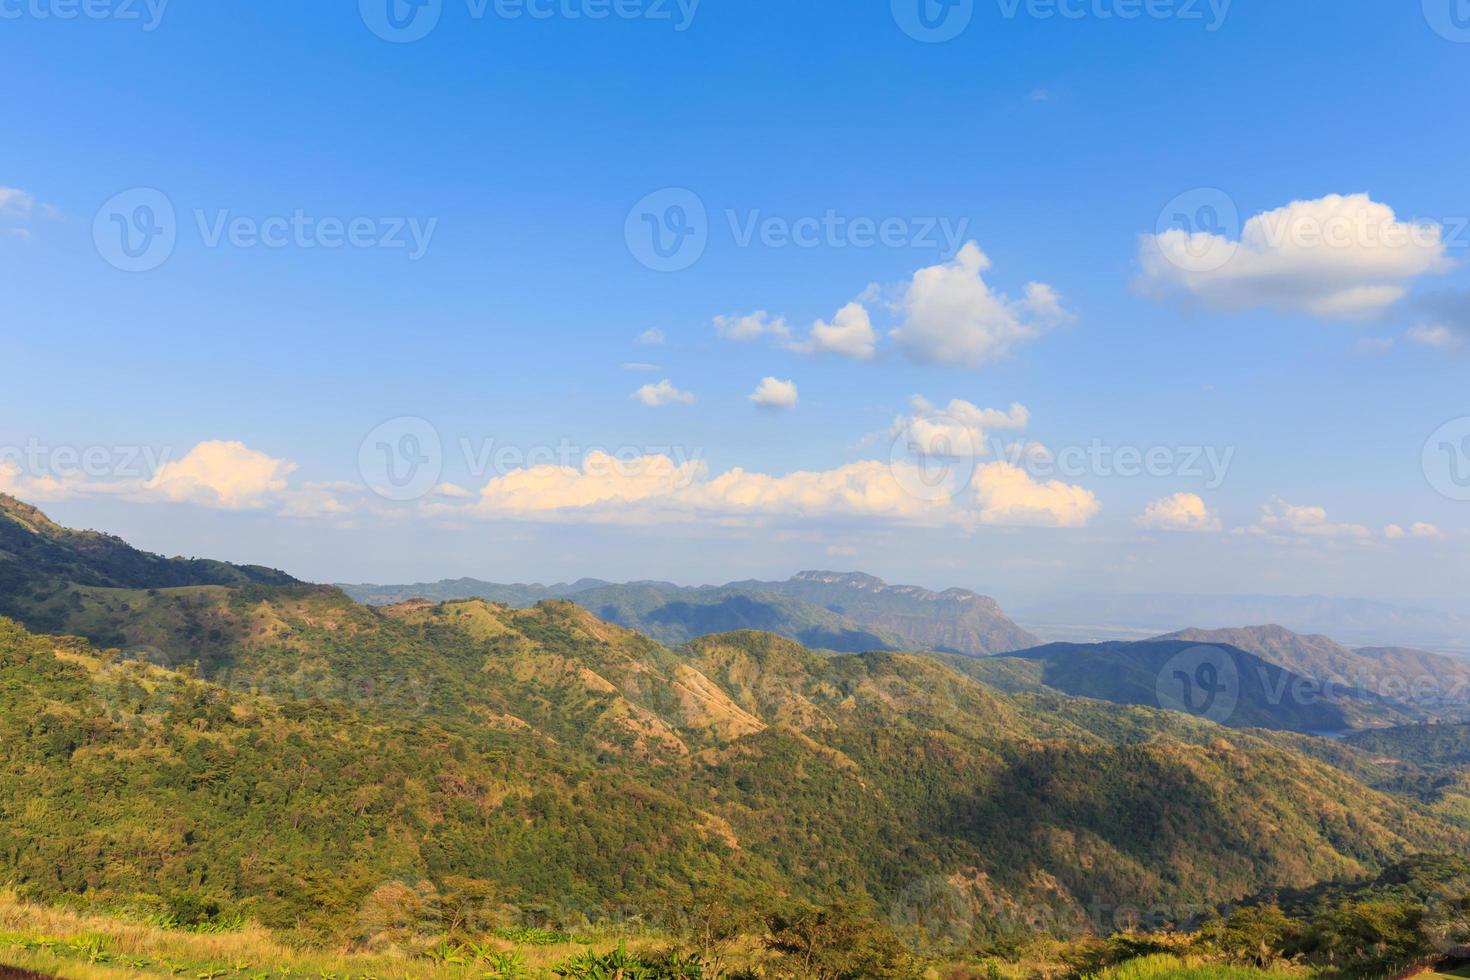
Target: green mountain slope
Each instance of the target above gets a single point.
(561, 761)
(40, 561)
(322, 751)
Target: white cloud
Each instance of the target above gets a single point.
(1334, 257)
(1280, 519)
(651, 338)
(639, 366)
(961, 428)
(1422, 530)
(663, 393)
(752, 326)
(653, 488)
(454, 491)
(850, 334)
(1436, 335)
(775, 394)
(222, 474)
(1010, 496)
(1178, 512)
(315, 501)
(841, 551)
(17, 208)
(13, 200)
(952, 316)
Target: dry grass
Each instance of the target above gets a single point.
(65, 943)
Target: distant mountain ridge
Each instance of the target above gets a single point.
(1090, 617)
(844, 611)
(1253, 691)
(1278, 679)
(1382, 669)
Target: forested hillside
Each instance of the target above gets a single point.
(281, 753)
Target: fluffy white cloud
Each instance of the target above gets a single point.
(1008, 495)
(651, 338)
(947, 314)
(1283, 520)
(223, 474)
(850, 334)
(774, 393)
(1334, 257)
(952, 316)
(752, 326)
(653, 488)
(960, 428)
(601, 481)
(1179, 512)
(663, 393)
(220, 474)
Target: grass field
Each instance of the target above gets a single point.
(1165, 967)
(67, 944)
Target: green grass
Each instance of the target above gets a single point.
(1164, 967)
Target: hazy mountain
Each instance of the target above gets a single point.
(836, 611)
(954, 621)
(1223, 683)
(323, 750)
(1395, 672)
(1089, 617)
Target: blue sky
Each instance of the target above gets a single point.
(519, 145)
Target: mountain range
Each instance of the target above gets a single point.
(284, 752)
(845, 612)
(1092, 616)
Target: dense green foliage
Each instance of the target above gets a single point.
(42, 564)
(283, 754)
